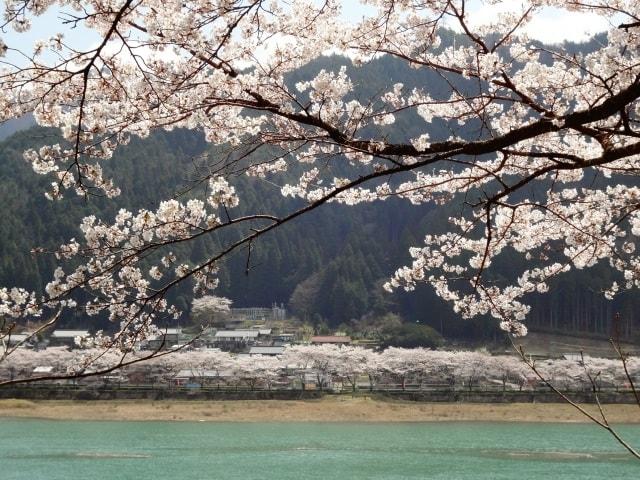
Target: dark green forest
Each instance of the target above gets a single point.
(327, 267)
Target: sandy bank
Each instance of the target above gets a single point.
(328, 409)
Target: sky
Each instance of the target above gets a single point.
(553, 25)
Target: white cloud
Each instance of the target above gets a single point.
(555, 26)
(549, 25)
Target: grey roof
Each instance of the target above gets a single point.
(237, 334)
(171, 331)
(43, 369)
(69, 333)
(266, 350)
(165, 333)
(18, 337)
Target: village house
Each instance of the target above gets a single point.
(17, 339)
(238, 340)
(238, 318)
(169, 338)
(270, 351)
(60, 338)
(283, 339)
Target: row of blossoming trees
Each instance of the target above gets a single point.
(495, 117)
(339, 367)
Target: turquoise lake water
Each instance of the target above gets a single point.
(65, 450)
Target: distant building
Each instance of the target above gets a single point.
(238, 340)
(239, 317)
(67, 338)
(169, 338)
(235, 340)
(17, 338)
(43, 370)
(573, 356)
(194, 377)
(271, 351)
(366, 343)
(283, 339)
(236, 335)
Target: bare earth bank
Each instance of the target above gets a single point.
(328, 409)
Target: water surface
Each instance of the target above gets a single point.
(69, 450)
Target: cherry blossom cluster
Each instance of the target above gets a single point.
(519, 117)
(330, 363)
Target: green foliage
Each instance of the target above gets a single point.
(410, 335)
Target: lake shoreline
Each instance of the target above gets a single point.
(328, 409)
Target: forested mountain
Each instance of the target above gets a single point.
(10, 127)
(327, 266)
